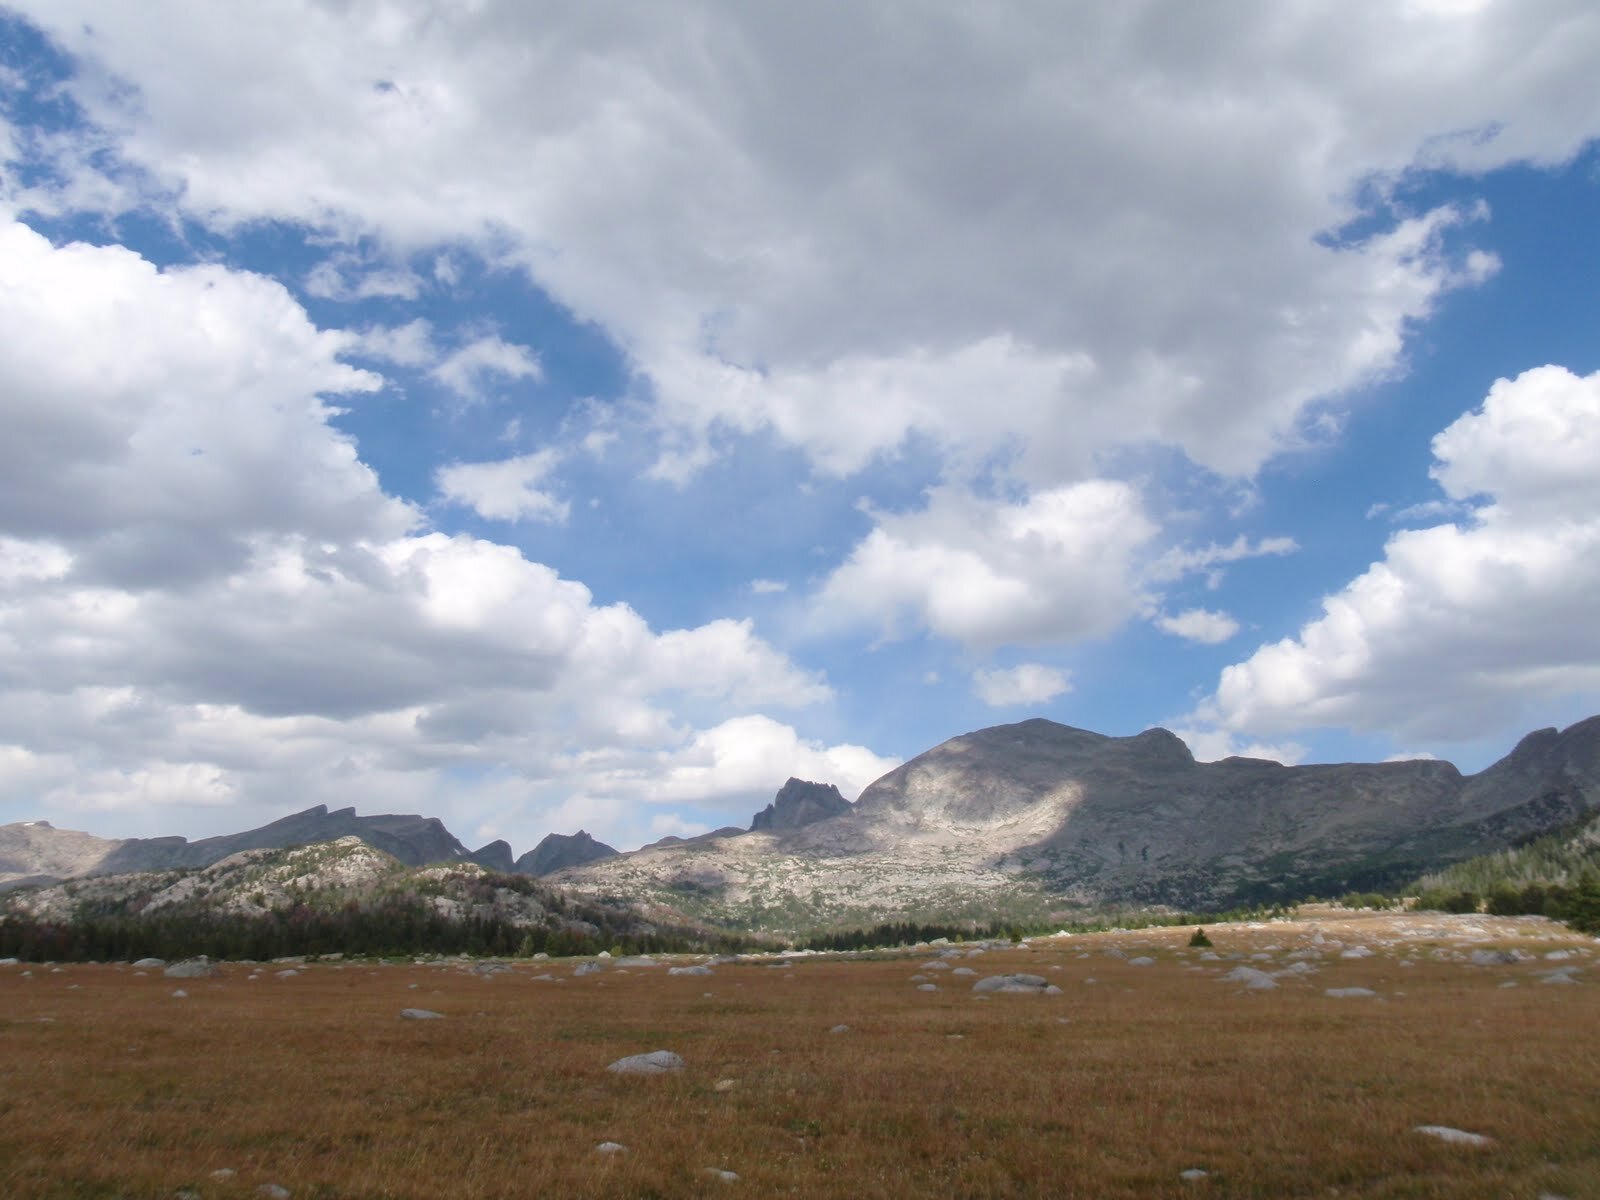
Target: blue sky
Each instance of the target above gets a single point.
(544, 417)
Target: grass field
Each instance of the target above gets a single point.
(111, 1086)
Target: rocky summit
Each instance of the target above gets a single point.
(558, 850)
(800, 802)
(1036, 816)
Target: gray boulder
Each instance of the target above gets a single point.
(1032, 984)
(657, 1062)
(193, 968)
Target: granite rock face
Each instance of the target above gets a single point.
(1044, 813)
(800, 802)
(559, 850)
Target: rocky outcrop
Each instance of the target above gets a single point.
(35, 849)
(799, 803)
(560, 850)
(1040, 814)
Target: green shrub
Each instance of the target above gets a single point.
(1199, 938)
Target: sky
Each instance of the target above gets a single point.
(545, 416)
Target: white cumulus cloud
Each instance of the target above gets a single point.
(506, 490)
(1026, 683)
(1460, 624)
(1199, 625)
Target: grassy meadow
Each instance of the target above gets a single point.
(112, 1087)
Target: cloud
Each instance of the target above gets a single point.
(207, 601)
(466, 371)
(345, 277)
(1199, 625)
(1459, 625)
(1212, 745)
(408, 345)
(159, 421)
(1058, 566)
(1026, 683)
(1136, 229)
(768, 587)
(505, 490)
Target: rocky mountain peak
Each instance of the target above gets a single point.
(800, 802)
(560, 850)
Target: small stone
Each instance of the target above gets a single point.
(273, 1191)
(193, 968)
(1034, 984)
(611, 1148)
(287, 973)
(657, 1062)
(724, 1176)
(927, 987)
(146, 963)
(1193, 1175)
(1348, 992)
(180, 994)
(723, 1085)
(695, 970)
(1143, 960)
(840, 1029)
(589, 968)
(223, 1173)
(1456, 1137)
(420, 1014)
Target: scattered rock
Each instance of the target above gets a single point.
(637, 960)
(840, 1029)
(1034, 984)
(1356, 952)
(963, 971)
(723, 1085)
(1348, 992)
(1492, 958)
(724, 1176)
(222, 1174)
(287, 973)
(180, 994)
(1456, 1137)
(611, 1148)
(1193, 1175)
(273, 1191)
(192, 968)
(927, 987)
(144, 963)
(1143, 960)
(700, 969)
(657, 1062)
(420, 1014)
(589, 968)
(1252, 978)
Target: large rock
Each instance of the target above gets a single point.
(657, 1062)
(799, 803)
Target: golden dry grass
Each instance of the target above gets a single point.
(110, 1086)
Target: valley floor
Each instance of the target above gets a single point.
(111, 1085)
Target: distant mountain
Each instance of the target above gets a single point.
(798, 803)
(559, 850)
(35, 851)
(1037, 816)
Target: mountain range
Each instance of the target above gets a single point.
(1030, 819)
